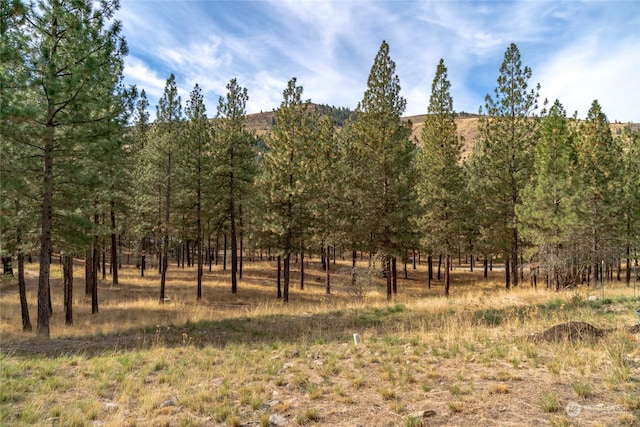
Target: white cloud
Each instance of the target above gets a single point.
(330, 46)
(583, 72)
(141, 75)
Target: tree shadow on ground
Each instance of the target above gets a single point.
(324, 327)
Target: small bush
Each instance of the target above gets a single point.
(388, 394)
(583, 389)
(456, 407)
(549, 402)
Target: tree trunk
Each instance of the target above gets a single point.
(224, 253)
(429, 271)
(387, 269)
(96, 260)
(216, 254)
(241, 236)
(209, 253)
(439, 265)
(329, 278)
(143, 257)
(301, 271)
(234, 246)
(486, 268)
(323, 258)
(394, 275)
(186, 253)
(447, 274)
(279, 274)
(507, 277)
(287, 272)
(88, 272)
(104, 256)
(22, 287)
(46, 225)
(628, 275)
(354, 255)
(199, 241)
(67, 270)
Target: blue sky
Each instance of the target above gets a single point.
(578, 50)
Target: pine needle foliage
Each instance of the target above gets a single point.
(286, 180)
(549, 208)
(72, 58)
(385, 161)
(235, 165)
(503, 156)
(441, 183)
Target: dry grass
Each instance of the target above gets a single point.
(238, 359)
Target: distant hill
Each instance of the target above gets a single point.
(262, 122)
(467, 123)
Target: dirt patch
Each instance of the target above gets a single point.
(570, 331)
(576, 331)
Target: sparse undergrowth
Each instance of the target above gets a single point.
(240, 360)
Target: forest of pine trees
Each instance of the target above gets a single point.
(85, 172)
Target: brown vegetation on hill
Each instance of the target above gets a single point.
(467, 124)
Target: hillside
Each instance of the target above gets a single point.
(261, 123)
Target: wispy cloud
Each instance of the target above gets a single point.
(589, 65)
(577, 50)
(141, 75)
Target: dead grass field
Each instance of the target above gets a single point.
(241, 360)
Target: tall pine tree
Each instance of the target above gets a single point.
(441, 183)
(630, 143)
(285, 178)
(17, 183)
(235, 166)
(385, 161)
(599, 163)
(162, 151)
(503, 156)
(74, 57)
(196, 158)
(549, 203)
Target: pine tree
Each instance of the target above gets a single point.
(74, 57)
(17, 198)
(195, 168)
(441, 183)
(235, 164)
(326, 186)
(142, 198)
(548, 213)
(630, 143)
(163, 151)
(599, 163)
(285, 181)
(503, 156)
(385, 164)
